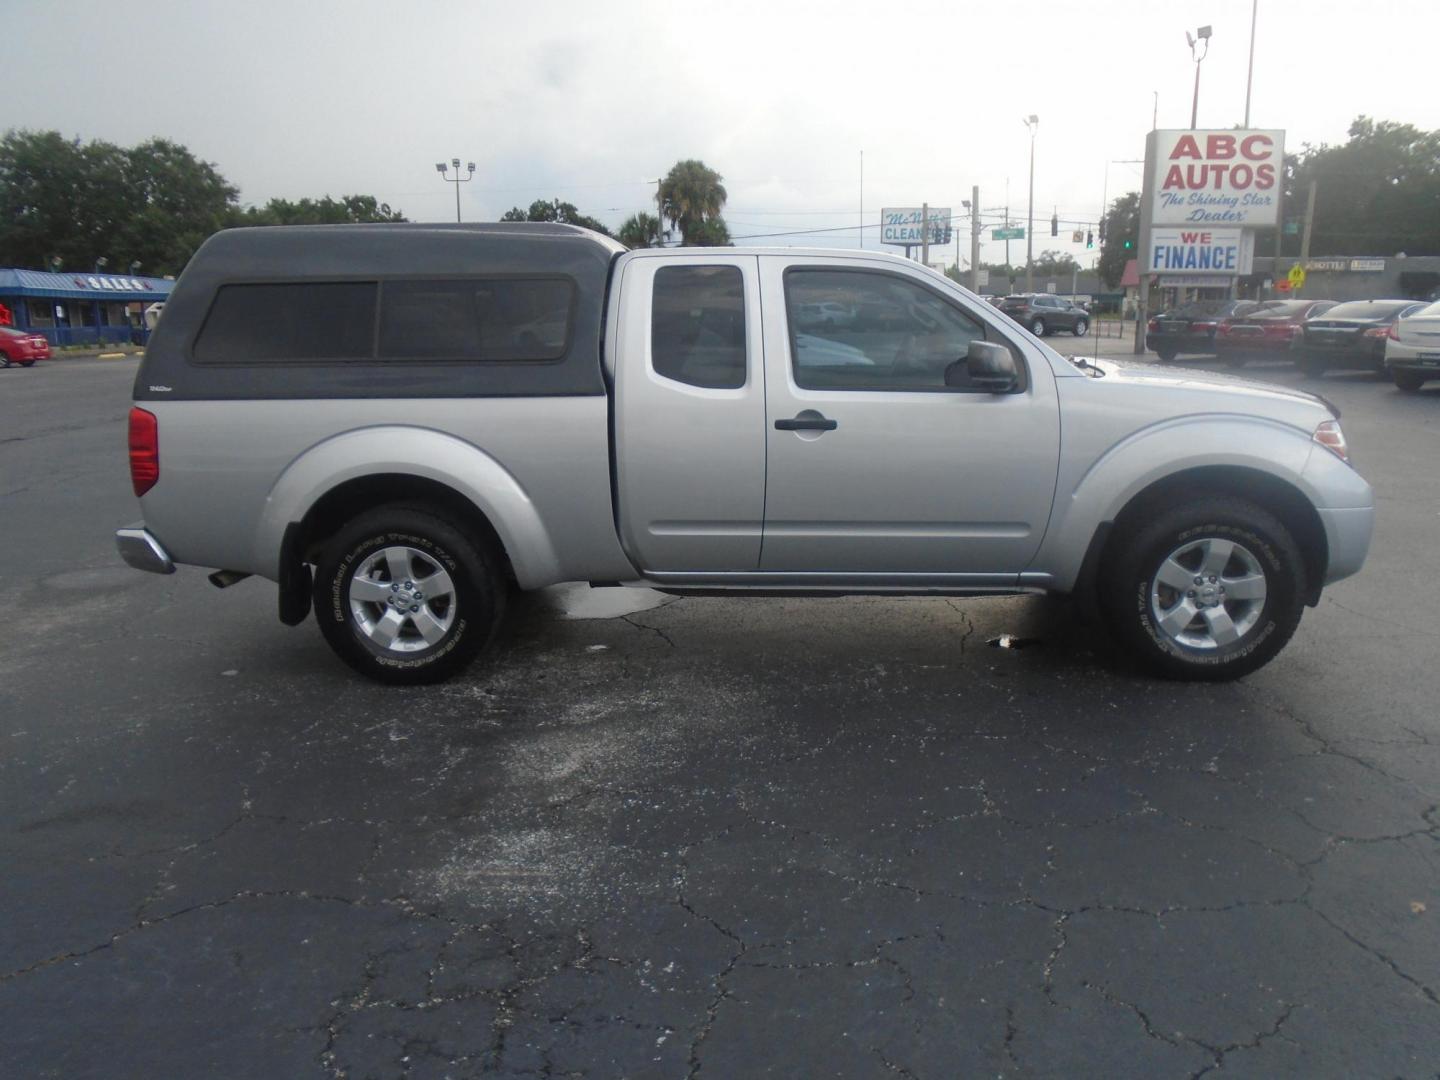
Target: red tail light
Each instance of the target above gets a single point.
(1394, 332)
(144, 450)
(1380, 331)
(1153, 325)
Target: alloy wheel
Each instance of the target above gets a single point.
(1208, 593)
(402, 599)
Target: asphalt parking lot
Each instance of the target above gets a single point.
(722, 838)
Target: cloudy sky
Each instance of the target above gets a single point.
(589, 101)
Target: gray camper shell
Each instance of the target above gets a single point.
(393, 311)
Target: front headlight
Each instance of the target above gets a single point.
(1329, 435)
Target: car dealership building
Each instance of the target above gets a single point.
(79, 308)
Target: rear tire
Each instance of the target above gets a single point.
(1182, 629)
(1166, 355)
(1037, 327)
(1407, 380)
(1311, 367)
(371, 586)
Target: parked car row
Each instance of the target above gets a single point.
(19, 347)
(1398, 337)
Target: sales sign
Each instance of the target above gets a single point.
(1227, 178)
(1201, 251)
(901, 225)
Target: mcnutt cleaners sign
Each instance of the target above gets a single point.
(1227, 178)
(1200, 251)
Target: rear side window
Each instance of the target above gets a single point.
(697, 328)
(479, 319)
(301, 321)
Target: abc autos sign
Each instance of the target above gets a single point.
(1225, 178)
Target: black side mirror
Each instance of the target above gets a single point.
(988, 366)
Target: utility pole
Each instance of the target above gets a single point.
(1032, 122)
(1142, 247)
(1250, 71)
(1309, 224)
(862, 199)
(925, 234)
(975, 239)
(1007, 232)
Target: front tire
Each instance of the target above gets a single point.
(1209, 590)
(405, 596)
(1082, 327)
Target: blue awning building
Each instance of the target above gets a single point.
(81, 308)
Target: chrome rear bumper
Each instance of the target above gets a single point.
(142, 551)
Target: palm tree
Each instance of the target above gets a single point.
(693, 197)
(640, 230)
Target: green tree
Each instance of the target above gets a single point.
(554, 210)
(640, 231)
(60, 198)
(1055, 264)
(1121, 223)
(346, 210)
(1376, 194)
(693, 197)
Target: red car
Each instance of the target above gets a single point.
(1270, 330)
(18, 347)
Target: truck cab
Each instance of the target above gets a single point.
(399, 424)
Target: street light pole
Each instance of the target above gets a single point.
(1032, 122)
(1250, 70)
(1203, 34)
(457, 179)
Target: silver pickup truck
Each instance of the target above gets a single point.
(398, 424)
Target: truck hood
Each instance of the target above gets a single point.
(1189, 390)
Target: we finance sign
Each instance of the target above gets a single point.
(1217, 177)
(1225, 252)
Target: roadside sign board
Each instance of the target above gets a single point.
(1368, 265)
(1008, 234)
(1296, 277)
(1217, 177)
(901, 225)
(1225, 252)
(982, 277)
(1194, 281)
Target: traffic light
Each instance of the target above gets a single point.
(1055, 224)
(1089, 239)
(1129, 245)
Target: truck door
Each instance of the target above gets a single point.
(690, 412)
(875, 465)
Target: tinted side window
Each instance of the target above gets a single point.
(896, 334)
(697, 326)
(300, 321)
(494, 320)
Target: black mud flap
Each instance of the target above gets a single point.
(295, 579)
